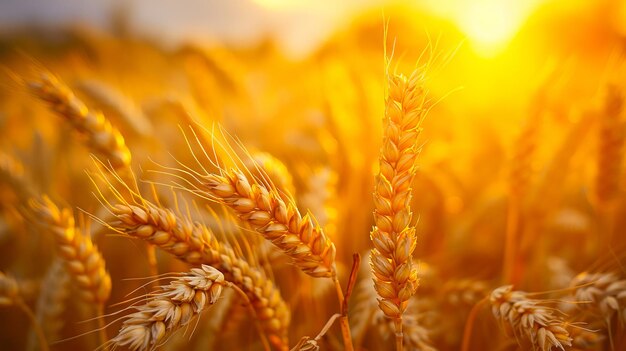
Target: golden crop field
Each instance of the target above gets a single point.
(419, 181)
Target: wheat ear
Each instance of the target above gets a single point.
(100, 135)
(602, 294)
(278, 221)
(393, 236)
(82, 259)
(194, 243)
(169, 308)
(529, 319)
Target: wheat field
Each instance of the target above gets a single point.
(391, 190)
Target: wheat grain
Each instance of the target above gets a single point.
(171, 307)
(100, 134)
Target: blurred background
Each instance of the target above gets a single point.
(526, 107)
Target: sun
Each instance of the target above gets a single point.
(489, 25)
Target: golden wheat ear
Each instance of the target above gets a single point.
(258, 202)
(193, 242)
(99, 134)
(83, 260)
(393, 236)
(169, 308)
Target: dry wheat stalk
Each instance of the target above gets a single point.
(83, 261)
(610, 149)
(100, 135)
(278, 221)
(393, 236)
(51, 302)
(169, 308)
(529, 319)
(194, 243)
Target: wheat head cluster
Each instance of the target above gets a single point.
(234, 199)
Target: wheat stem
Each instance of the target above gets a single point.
(257, 322)
(102, 332)
(469, 324)
(43, 344)
(343, 320)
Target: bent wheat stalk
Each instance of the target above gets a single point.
(393, 236)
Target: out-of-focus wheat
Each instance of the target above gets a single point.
(529, 320)
(82, 259)
(100, 134)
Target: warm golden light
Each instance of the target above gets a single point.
(271, 175)
(488, 24)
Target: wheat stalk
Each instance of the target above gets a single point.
(529, 319)
(171, 307)
(610, 147)
(100, 135)
(393, 236)
(51, 301)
